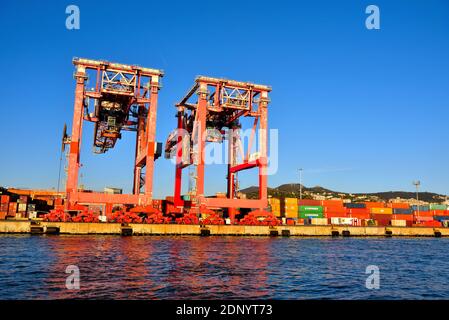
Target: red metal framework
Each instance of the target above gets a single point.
(124, 99)
(211, 112)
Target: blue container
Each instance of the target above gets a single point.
(355, 205)
(402, 211)
(441, 218)
(421, 208)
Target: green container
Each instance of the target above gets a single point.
(310, 215)
(311, 209)
(438, 207)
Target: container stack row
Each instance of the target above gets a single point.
(296, 211)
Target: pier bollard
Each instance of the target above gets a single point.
(52, 230)
(345, 233)
(274, 233)
(335, 233)
(204, 232)
(388, 233)
(36, 230)
(437, 234)
(127, 231)
(285, 233)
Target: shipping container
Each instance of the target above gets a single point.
(423, 213)
(311, 209)
(439, 212)
(23, 199)
(402, 211)
(3, 215)
(309, 202)
(399, 205)
(407, 217)
(360, 215)
(12, 209)
(309, 215)
(438, 207)
(21, 207)
(331, 203)
(354, 205)
(318, 221)
(334, 209)
(4, 199)
(335, 215)
(358, 211)
(441, 218)
(398, 223)
(374, 205)
(422, 218)
(381, 210)
(382, 219)
(342, 221)
(421, 208)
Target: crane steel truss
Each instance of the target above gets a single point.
(219, 104)
(124, 99)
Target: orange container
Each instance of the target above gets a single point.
(381, 210)
(375, 204)
(399, 205)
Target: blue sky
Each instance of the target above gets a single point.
(360, 110)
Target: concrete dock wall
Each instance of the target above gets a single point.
(11, 226)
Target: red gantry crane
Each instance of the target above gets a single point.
(211, 112)
(124, 99)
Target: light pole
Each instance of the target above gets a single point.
(300, 183)
(417, 184)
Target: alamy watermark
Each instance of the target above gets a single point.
(373, 280)
(72, 282)
(372, 22)
(72, 22)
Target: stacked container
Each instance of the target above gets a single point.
(291, 207)
(309, 212)
(4, 203)
(275, 205)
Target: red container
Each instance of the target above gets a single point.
(430, 223)
(382, 219)
(439, 212)
(59, 202)
(406, 217)
(4, 199)
(309, 202)
(334, 209)
(335, 215)
(23, 199)
(332, 203)
(360, 215)
(358, 211)
(423, 213)
(422, 218)
(3, 215)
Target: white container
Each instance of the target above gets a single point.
(227, 221)
(319, 221)
(398, 223)
(102, 218)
